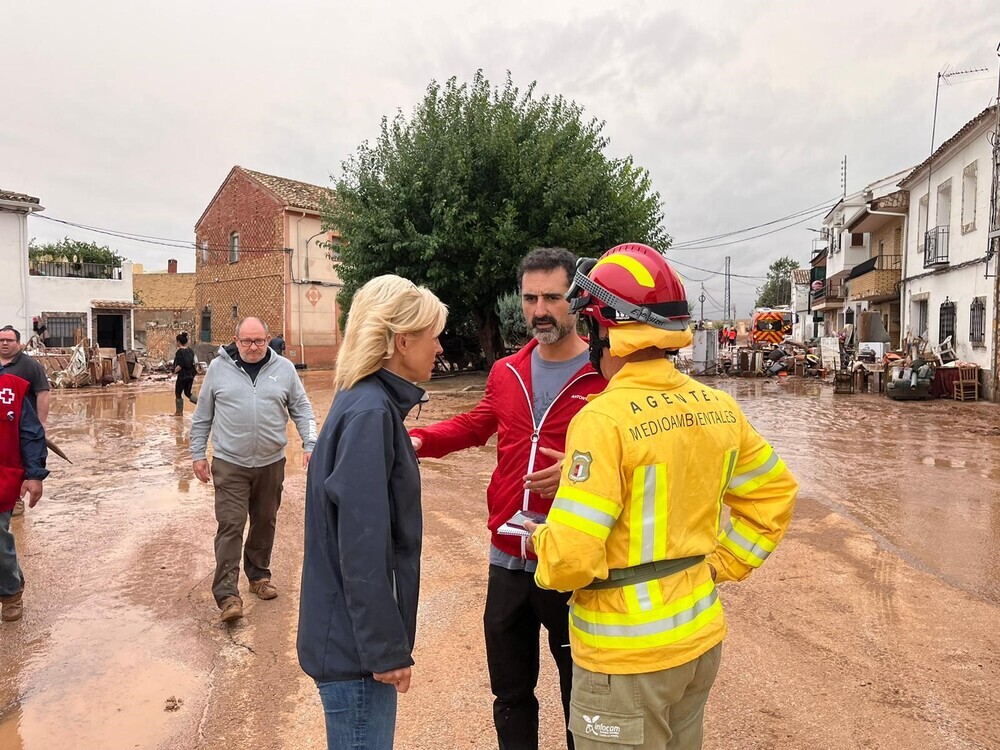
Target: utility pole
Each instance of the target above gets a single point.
(728, 300)
(701, 299)
(843, 177)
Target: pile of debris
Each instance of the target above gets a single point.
(84, 365)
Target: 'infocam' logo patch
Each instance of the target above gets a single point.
(598, 729)
(580, 470)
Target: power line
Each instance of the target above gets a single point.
(161, 241)
(796, 214)
(714, 273)
(755, 236)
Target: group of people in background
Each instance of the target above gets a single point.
(727, 337)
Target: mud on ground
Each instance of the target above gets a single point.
(873, 625)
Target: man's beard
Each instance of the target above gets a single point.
(558, 332)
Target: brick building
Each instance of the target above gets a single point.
(261, 251)
(164, 308)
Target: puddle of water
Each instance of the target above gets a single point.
(123, 658)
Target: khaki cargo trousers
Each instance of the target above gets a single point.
(664, 709)
(241, 492)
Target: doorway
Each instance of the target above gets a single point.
(111, 332)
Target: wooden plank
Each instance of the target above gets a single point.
(123, 367)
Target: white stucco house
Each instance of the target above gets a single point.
(14, 211)
(945, 289)
(803, 328)
(62, 294)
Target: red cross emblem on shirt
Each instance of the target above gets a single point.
(7, 396)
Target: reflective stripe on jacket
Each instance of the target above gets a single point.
(649, 464)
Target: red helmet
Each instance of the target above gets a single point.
(630, 282)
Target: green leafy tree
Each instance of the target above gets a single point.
(75, 251)
(457, 194)
(777, 289)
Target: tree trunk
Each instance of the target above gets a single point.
(489, 337)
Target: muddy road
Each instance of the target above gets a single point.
(874, 625)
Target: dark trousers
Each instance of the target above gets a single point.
(515, 610)
(183, 385)
(242, 492)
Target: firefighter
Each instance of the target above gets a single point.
(634, 530)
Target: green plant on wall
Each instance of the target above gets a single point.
(75, 251)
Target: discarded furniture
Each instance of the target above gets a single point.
(910, 383)
(966, 386)
(945, 351)
(944, 382)
(843, 381)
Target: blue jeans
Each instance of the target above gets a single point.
(11, 577)
(360, 714)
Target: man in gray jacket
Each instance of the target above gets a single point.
(245, 401)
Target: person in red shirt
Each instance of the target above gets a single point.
(530, 398)
(22, 469)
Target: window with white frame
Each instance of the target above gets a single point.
(234, 247)
(977, 321)
(942, 217)
(922, 223)
(920, 319)
(969, 176)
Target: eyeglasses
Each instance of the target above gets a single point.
(252, 342)
(8, 341)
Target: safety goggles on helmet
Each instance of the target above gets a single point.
(661, 305)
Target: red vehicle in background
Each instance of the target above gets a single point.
(770, 326)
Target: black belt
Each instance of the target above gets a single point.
(646, 572)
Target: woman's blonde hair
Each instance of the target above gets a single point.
(383, 307)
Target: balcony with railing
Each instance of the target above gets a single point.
(877, 279)
(829, 296)
(936, 247)
(69, 269)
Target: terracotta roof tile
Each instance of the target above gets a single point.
(800, 276)
(293, 193)
(10, 195)
(989, 112)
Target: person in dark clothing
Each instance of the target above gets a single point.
(363, 528)
(184, 368)
(278, 344)
(22, 469)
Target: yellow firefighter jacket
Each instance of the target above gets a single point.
(649, 464)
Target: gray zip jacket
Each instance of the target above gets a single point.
(247, 420)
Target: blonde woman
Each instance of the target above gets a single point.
(361, 570)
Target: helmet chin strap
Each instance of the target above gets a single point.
(597, 344)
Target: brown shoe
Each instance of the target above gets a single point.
(18, 509)
(12, 607)
(232, 609)
(263, 588)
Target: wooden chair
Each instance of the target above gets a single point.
(966, 388)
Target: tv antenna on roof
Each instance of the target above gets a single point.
(945, 74)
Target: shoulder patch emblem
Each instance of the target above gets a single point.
(580, 470)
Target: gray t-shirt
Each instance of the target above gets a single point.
(547, 380)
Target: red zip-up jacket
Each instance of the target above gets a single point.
(506, 410)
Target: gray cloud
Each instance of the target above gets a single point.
(129, 117)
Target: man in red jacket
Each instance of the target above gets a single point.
(530, 399)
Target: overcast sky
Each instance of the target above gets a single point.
(128, 115)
